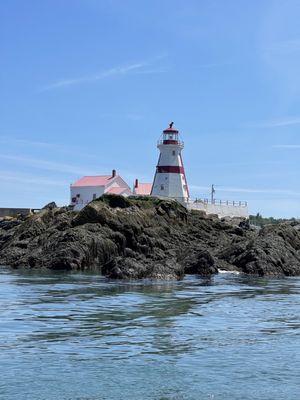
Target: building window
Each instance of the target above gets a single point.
(94, 196)
(162, 187)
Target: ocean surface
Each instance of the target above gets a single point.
(81, 337)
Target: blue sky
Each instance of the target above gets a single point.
(88, 85)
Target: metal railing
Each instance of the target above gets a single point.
(234, 203)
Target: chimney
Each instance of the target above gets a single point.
(136, 185)
(114, 173)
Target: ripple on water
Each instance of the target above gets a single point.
(79, 336)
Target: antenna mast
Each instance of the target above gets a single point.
(212, 194)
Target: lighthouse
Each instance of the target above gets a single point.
(169, 180)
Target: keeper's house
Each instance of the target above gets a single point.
(89, 188)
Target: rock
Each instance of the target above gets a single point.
(137, 238)
(9, 224)
(273, 251)
(50, 206)
(201, 263)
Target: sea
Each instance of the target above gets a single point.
(77, 336)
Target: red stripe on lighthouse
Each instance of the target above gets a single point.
(169, 141)
(170, 169)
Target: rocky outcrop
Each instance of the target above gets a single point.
(275, 250)
(146, 238)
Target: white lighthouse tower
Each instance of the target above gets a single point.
(169, 180)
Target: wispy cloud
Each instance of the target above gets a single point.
(11, 140)
(57, 147)
(144, 67)
(277, 122)
(50, 165)
(32, 180)
(247, 190)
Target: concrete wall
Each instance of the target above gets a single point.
(13, 212)
(222, 210)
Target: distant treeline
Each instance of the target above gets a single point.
(259, 220)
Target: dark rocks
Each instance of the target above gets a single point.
(274, 251)
(50, 206)
(125, 238)
(201, 263)
(6, 225)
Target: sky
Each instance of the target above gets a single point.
(87, 86)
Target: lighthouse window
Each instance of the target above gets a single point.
(173, 152)
(162, 187)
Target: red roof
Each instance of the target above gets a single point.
(170, 130)
(116, 190)
(100, 180)
(143, 189)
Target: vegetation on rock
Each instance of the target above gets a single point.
(133, 238)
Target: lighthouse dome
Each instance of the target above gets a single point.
(171, 129)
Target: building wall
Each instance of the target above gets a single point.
(86, 195)
(222, 210)
(118, 182)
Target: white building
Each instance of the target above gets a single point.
(142, 189)
(89, 188)
(169, 180)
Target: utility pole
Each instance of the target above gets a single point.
(213, 191)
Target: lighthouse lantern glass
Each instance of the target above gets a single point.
(171, 136)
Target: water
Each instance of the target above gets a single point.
(81, 337)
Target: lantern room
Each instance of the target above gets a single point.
(170, 135)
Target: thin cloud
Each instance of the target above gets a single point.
(10, 140)
(32, 180)
(140, 67)
(49, 165)
(247, 190)
(274, 123)
(69, 149)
